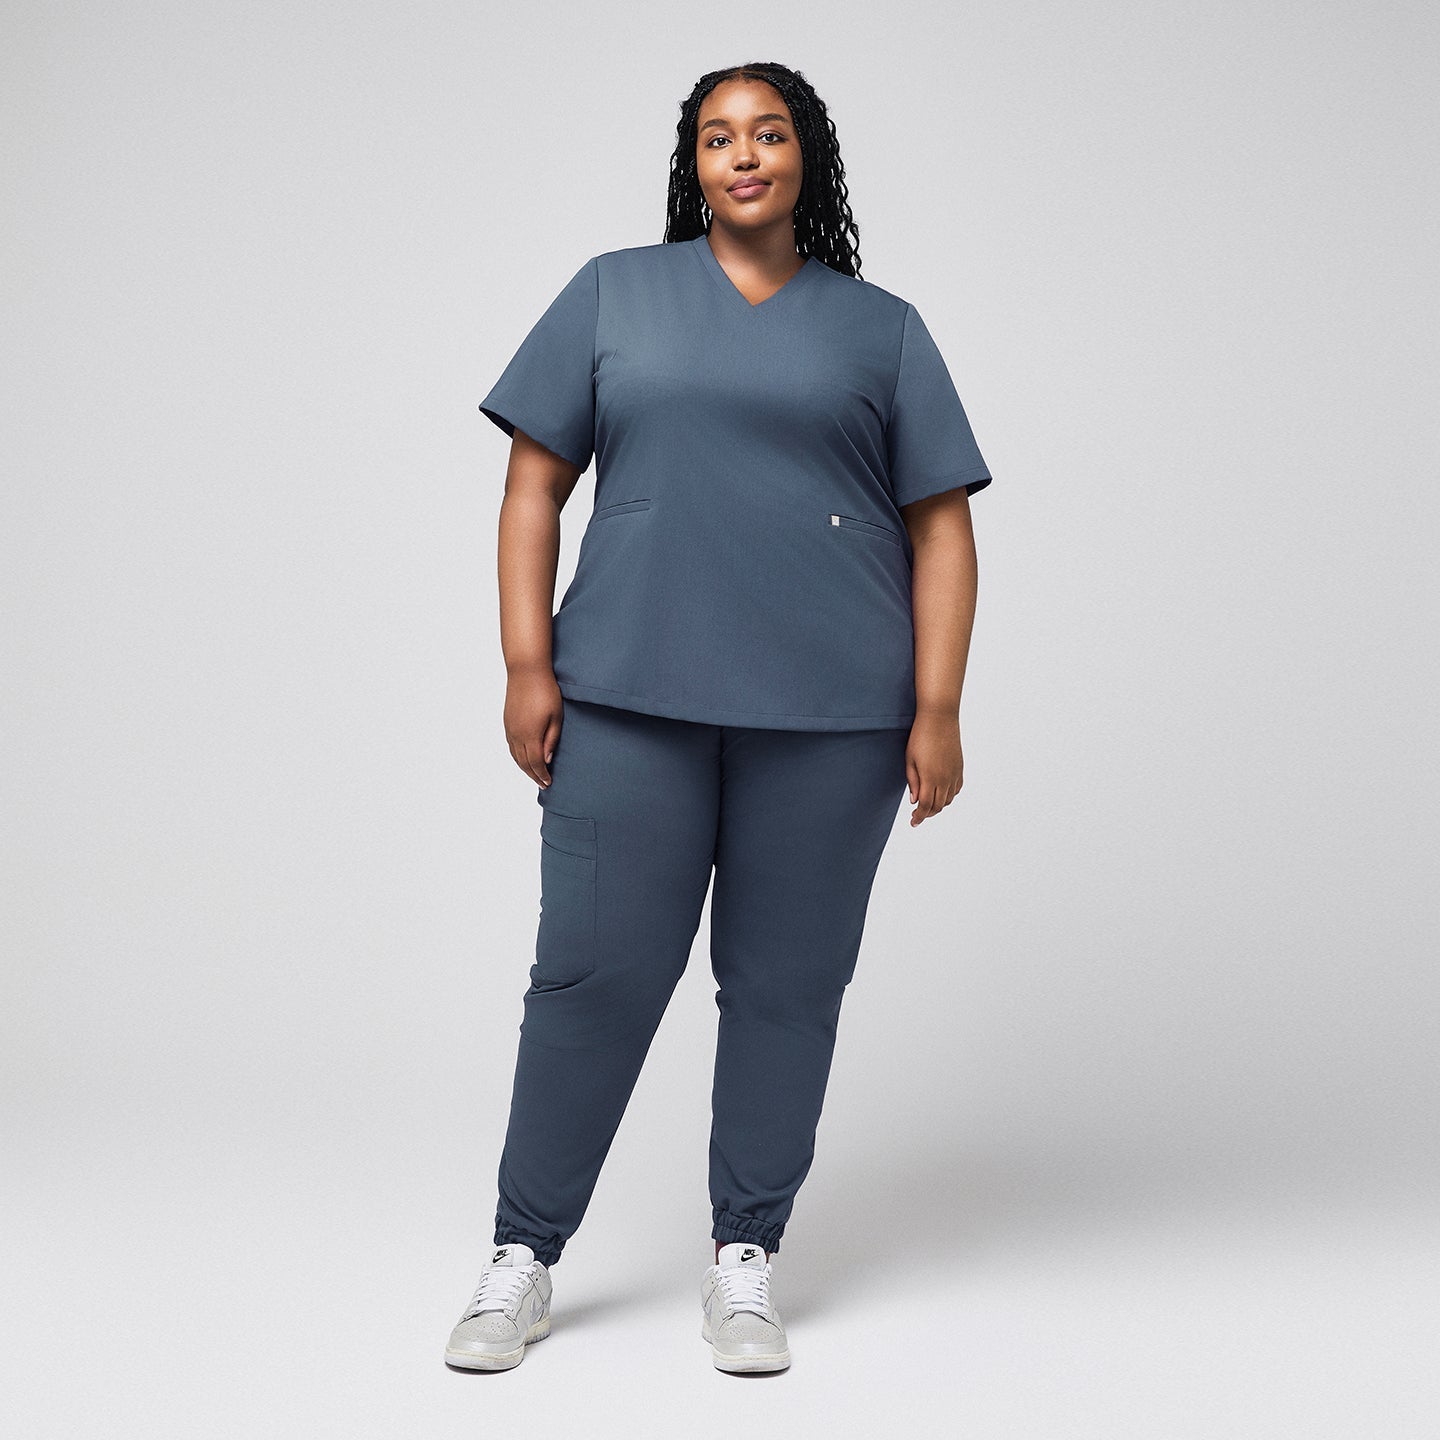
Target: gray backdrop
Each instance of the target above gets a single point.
(1131, 1126)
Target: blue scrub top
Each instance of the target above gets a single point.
(745, 562)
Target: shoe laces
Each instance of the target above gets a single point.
(745, 1287)
(500, 1288)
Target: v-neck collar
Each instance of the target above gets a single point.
(706, 256)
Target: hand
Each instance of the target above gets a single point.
(534, 713)
(934, 764)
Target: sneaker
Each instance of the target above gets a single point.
(510, 1308)
(743, 1327)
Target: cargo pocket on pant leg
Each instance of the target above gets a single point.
(565, 939)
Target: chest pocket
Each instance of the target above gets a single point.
(867, 527)
(621, 507)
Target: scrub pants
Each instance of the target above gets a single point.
(639, 811)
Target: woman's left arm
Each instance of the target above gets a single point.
(944, 586)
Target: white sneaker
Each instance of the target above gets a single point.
(510, 1308)
(741, 1323)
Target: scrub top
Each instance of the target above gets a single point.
(745, 561)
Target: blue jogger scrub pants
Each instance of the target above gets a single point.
(641, 809)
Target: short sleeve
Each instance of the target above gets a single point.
(548, 388)
(928, 440)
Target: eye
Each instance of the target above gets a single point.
(764, 134)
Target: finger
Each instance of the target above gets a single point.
(924, 794)
(527, 758)
(548, 742)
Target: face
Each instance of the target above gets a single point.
(747, 155)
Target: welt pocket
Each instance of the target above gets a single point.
(621, 507)
(572, 834)
(867, 527)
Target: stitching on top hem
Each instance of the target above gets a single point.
(880, 720)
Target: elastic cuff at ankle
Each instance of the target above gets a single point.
(728, 1227)
(547, 1248)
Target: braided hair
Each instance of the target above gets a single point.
(824, 226)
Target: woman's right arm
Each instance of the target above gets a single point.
(537, 485)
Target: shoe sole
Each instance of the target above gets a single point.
(500, 1360)
(743, 1364)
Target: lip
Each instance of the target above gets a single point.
(745, 189)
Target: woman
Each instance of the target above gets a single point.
(762, 647)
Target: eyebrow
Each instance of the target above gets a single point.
(782, 118)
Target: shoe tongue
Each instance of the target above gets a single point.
(511, 1255)
(742, 1252)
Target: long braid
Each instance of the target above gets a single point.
(824, 226)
